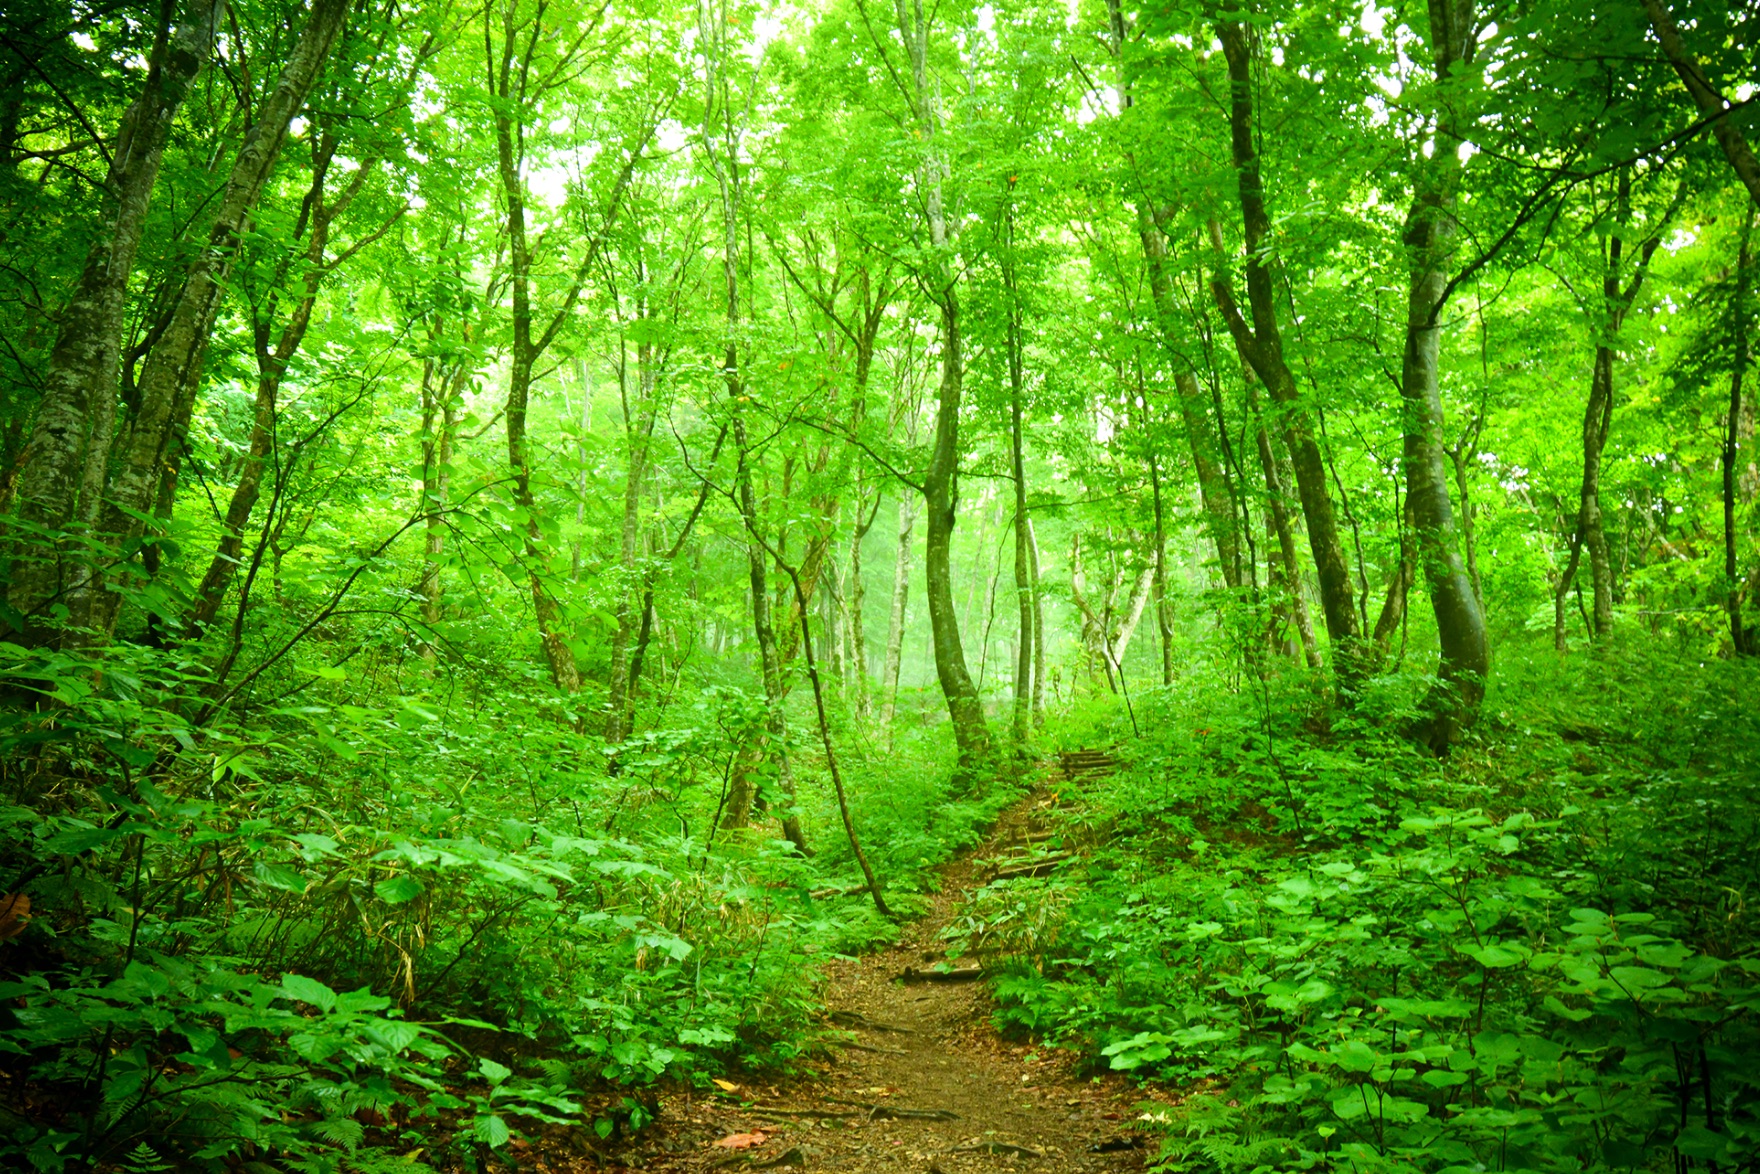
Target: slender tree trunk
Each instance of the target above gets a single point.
(65, 460)
(1163, 609)
(1023, 576)
(1285, 565)
(1261, 345)
(725, 161)
(857, 604)
(439, 422)
(1038, 628)
(1429, 238)
(1214, 490)
(941, 482)
(316, 216)
(901, 586)
(173, 369)
(1741, 642)
(638, 431)
(581, 452)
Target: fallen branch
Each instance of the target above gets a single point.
(1041, 867)
(891, 1113)
(958, 974)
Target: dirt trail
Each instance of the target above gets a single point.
(924, 1084)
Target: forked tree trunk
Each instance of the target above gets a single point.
(1285, 567)
(1591, 532)
(316, 216)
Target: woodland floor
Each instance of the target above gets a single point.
(923, 1082)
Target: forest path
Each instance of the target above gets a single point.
(923, 1084)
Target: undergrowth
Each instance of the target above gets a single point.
(1340, 953)
(352, 933)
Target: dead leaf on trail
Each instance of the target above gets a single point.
(726, 1086)
(741, 1141)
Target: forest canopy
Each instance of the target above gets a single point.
(526, 527)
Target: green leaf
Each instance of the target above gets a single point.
(491, 1130)
(398, 889)
(308, 990)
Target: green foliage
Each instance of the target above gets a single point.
(1535, 955)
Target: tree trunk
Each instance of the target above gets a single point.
(941, 481)
(901, 585)
(857, 602)
(1429, 238)
(65, 461)
(1741, 641)
(173, 370)
(638, 432)
(315, 218)
(725, 161)
(1023, 577)
(1214, 491)
(1285, 565)
(1261, 346)
(1038, 629)
(1706, 98)
(439, 422)
(1163, 609)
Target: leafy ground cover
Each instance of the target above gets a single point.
(360, 935)
(1536, 954)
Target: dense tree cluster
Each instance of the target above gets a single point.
(564, 367)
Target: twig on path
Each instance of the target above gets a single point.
(890, 1112)
(958, 974)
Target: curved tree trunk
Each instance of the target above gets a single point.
(1261, 346)
(1430, 234)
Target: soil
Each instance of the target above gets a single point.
(920, 1081)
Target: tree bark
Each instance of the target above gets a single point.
(1429, 237)
(439, 423)
(1261, 346)
(1163, 609)
(638, 427)
(64, 464)
(1615, 303)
